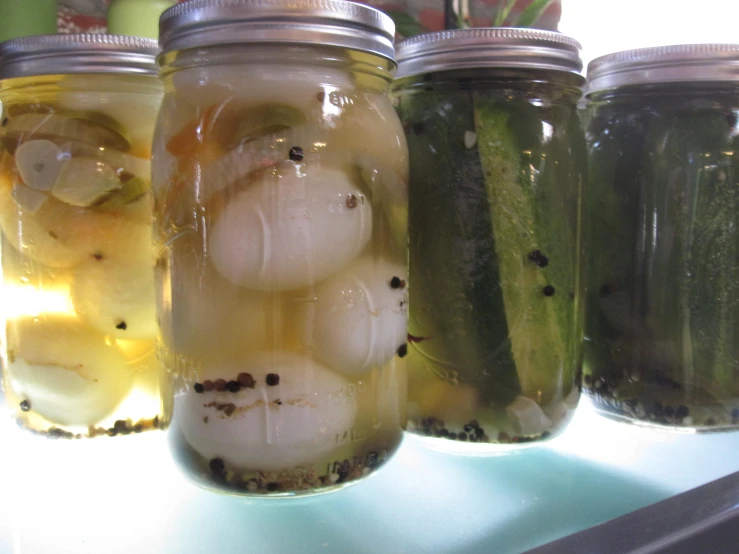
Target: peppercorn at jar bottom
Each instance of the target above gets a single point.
(658, 401)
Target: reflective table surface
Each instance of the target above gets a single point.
(125, 495)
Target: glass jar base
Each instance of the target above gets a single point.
(119, 427)
(217, 475)
(614, 411)
(242, 491)
(473, 449)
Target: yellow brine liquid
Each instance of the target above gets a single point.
(77, 258)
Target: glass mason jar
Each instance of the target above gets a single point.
(280, 178)
(662, 342)
(75, 213)
(496, 173)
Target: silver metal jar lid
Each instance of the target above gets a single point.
(340, 23)
(488, 48)
(665, 64)
(82, 53)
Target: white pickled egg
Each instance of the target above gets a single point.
(115, 295)
(204, 316)
(298, 421)
(359, 318)
(296, 225)
(65, 371)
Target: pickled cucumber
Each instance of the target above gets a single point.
(534, 219)
(457, 324)
(494, 243)
(664, 297)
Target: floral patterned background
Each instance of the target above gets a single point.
(76, 16)
(82, 16)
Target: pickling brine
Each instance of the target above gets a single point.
(280, 189)
(77, 261)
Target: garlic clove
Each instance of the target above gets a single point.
(39, 163)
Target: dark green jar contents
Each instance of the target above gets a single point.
(662, 325)
(497, 169)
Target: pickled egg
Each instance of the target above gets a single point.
(65, 371)
(358, 320)
(295, 225)
(61, 236)
(115, 295)
(294, 418)
(204, 316)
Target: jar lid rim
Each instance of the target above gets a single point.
(664, 64)
(77, 53)
(342, 23)
(490, 47)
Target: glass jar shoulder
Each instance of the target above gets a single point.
(238, 118)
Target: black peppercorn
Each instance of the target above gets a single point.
(548, 290)
(122, 326)
(273, 379)
(233, 386)
(217, 466)
(296, 154)
(538, 258)
(121, 426)
(395, 282)
(199, 388)
(402, 350)
(25, 405)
